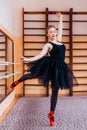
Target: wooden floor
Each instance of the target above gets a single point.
(8, 109)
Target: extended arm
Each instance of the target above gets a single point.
(37, 57)
(59, 36)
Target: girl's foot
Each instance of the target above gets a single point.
(14, 84)
(51, 118)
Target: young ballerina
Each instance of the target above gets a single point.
(50, 68)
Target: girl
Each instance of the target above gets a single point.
(50, 68)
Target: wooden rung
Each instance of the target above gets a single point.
(34, 21)
(79, 49)
(57, 21)
(41, 42)
(80, 84)
(79, 21)
(34, 55)
(34, 34)
(79, 41)
(37, 49)
(33, 42)
(29, 56)
(63, 12)
(67, 49)
(81, 77)
(83, 84)
(67, 56)
(34, 12)
(79, 70)
(40, 35)
(35, 28)
(2, 42)
(80, 56)
(40, 49)
(80, 63)
(42, 28)
(65, 42)
(66, 29)
(2, 70)
(79, 91)
(2, 35)
(43, 12)
(2, 56)
(3, 85)
(26, 49)
(33, 84)
(80, 13)
(63, 29)
(2, 49)
(79, 34)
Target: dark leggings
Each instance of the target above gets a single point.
(26, 77)
(54, 96)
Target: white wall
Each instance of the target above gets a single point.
(6, 14)
(11, 14)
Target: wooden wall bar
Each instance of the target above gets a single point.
(34, 37)
(80, 51)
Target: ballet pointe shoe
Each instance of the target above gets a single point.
(14, 84)
(51, 118)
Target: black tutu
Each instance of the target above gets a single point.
(53, 69)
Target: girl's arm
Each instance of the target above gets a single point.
(59, 36)
(37, 57)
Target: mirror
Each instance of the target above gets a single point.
(6, 64)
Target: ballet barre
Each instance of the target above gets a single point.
(3, 72)
(2, 63)
(7, 76)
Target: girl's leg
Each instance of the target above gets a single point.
(54, 98)
(26, 77)
(23, 78)
(53, 101)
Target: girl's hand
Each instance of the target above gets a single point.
(22, 58)
(58, 14)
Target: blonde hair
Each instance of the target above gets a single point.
(49, 27)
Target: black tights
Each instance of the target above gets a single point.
(26, 77)
(54, 96)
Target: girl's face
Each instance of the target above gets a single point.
(52, 33)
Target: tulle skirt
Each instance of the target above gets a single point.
(52, 70)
